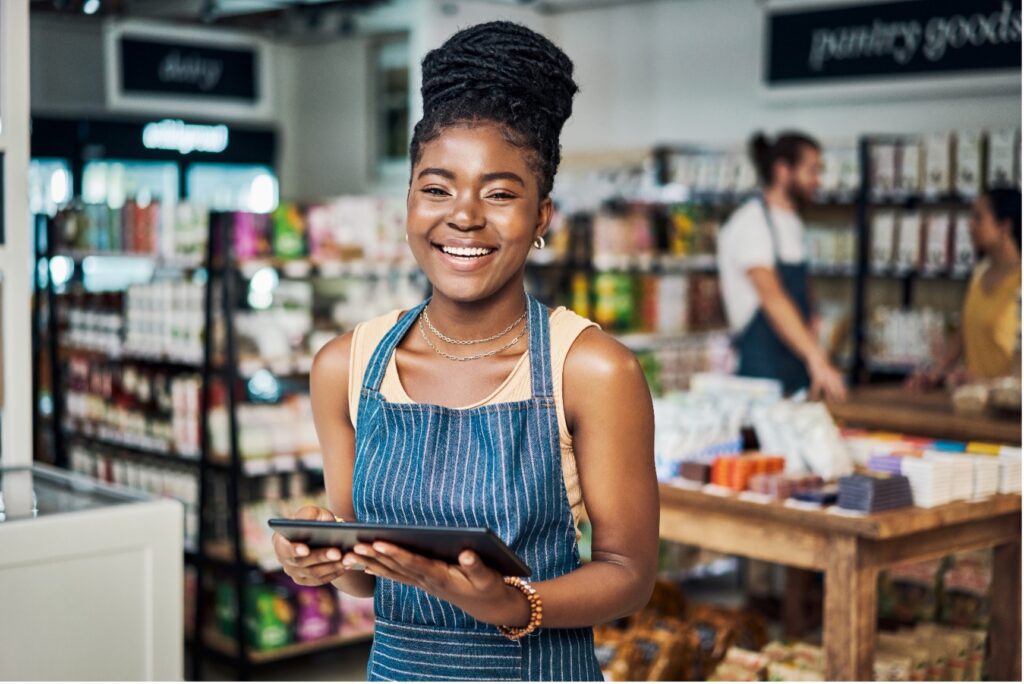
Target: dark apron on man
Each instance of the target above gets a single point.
(762, 353)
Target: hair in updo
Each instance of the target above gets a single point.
(503, 73)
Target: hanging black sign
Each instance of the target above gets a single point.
(892, 39)
(151, 67)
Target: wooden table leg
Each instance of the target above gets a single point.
(795, 620)
(1004, 630)
(850, 612)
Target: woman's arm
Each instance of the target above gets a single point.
(328, 389)
(608, 410)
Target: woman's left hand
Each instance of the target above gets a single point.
(470, 585)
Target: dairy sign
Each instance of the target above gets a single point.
(887, 40)
(201, 71)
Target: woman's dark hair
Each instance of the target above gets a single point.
(503, 73)
(1005, 203)
(787, 147)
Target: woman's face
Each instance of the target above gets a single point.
(986, 232)
(474, 210)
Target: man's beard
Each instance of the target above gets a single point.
(798, 197)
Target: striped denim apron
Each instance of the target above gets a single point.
(496, 466)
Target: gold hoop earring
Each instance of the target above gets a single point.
(539, 243)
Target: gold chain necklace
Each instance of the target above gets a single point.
(474, 357)
(449, 340)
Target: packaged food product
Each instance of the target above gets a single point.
(936, 256)
(890, 667)
(909, 180)
(883, 169)
(1003, 166)
(908, 255)
(780, 672)
(607, 643)
(968, 162)
(938, 167)
(731, 672)
(883, 240)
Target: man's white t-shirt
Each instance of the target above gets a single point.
(745, 242)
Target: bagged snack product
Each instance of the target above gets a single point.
(748, 660)
(731, 672)
(711, 635)
(781, 672)
(667, 599)
(891, 667)
(608, 642)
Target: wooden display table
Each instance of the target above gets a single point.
(852, 550)
(927, 414)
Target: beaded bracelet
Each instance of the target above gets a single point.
(536, 610)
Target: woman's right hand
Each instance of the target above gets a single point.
(309, 567)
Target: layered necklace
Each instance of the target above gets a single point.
(425, 318)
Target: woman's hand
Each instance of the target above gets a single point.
(470, 585)
(309, 567)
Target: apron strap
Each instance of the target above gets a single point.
(771, 228)
(374, 375)
(540, 350)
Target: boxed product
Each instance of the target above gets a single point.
(936, 251)
(1003, 167)
(968, 162)
(909, 180)
(883, 240)
(356, 614)
(963, 247)
(883, 169)
(908, 254)
(938, 164)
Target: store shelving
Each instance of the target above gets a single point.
(220, 361)
(226, 647)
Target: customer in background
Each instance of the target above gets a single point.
(764, 274)
(988, 343)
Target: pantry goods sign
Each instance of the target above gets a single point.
(886, 40)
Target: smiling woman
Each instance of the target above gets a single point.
(546, 415)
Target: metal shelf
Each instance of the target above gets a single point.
(117, 445)
(226, 646)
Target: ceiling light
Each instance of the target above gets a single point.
(91, 6)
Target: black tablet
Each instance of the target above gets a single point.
(441, 543)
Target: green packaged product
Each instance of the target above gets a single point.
(269, 618)
(289, 231)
